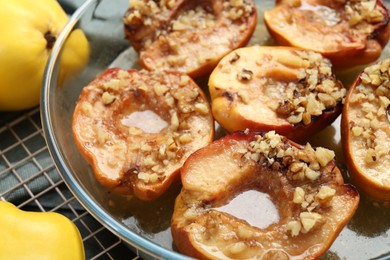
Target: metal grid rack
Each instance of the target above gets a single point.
(29, 179)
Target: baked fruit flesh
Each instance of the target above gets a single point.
(303, 182)
(188, 36)
(347, 32)
(286, 89)
(136, 128)
(365, 132)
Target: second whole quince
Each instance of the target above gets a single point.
(38, 235)
(29, 30)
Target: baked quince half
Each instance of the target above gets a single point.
(347, 32)
(289, 90)
(136, 128)
(365, 132)
(188, 36)
(312, 202)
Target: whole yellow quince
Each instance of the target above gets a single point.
(28, 32)
(38, 235)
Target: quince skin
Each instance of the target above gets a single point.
(38, 235)
(28, 32)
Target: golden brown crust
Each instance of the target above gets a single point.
(188, 36)
(349, 33)
(313, 204)
(365, 131)
(136, 128)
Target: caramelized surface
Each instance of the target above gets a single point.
(366, 131)
(188, 36)
(349, 33)
(136, 128)
(289, 90)
(218, 173)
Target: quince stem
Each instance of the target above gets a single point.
(50, 39)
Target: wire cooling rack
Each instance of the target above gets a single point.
(29, 179)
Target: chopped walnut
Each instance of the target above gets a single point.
(309, 220)
(299, 195)
(295, 227)
(325, 193)
(201, 108)
(316, 90)
(178, 100)
(237, 248)
(361, 13)
(87, 109)
(235, 57)
(324, 156)
(107, 98)
(101, 136)
(302, 166)
(373, 98)
(237, 9)
(245, 75)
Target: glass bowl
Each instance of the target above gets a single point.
(145, 225)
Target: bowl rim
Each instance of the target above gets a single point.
(101, 215)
